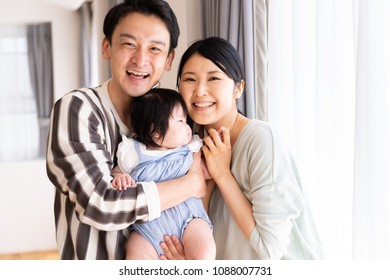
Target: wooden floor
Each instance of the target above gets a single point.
(42, 255)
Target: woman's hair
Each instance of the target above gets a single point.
(150, 113)
(158, 8)
(220, 52)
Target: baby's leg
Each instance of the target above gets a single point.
(198, 241)
(138, 248)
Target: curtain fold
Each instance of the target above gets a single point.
(260, 45)
(40, 57)
(85, 13)
(112, 3)
(234, 20)
(371, 219)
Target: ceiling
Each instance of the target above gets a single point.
(68, 4)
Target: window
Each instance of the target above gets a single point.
(18, 111)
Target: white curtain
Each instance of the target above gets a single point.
(329, 97)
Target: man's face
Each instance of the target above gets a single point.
(138, 54)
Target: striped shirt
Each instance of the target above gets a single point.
(91, 217)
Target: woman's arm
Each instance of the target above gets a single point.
(210, 186)
(217, 152)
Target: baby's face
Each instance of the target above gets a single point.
(179, 132)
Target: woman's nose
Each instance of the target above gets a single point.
(200, 90)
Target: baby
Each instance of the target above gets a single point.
(162, 149)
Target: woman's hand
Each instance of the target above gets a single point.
(217, 152)
(172, 248)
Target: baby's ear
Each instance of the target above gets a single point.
(156, 135)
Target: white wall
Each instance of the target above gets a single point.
(26, 195)
(26, 200)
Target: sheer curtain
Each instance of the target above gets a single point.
(328, 95)
(19, 138)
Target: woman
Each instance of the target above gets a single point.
(258, 208)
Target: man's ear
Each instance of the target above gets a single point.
(239, 89)
(106, 49)
(168, 62)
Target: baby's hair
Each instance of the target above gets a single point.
(150, 114)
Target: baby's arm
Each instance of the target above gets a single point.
(122, 180)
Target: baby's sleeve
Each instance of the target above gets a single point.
(127, 155)
(195, 144)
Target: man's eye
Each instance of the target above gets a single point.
(129, 44)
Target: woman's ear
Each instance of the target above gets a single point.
(239, 89)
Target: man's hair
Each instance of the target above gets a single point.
(150, 113)
(158, 8)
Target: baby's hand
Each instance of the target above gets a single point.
(121, 181)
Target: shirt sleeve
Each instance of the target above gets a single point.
(79, 164)
(275, 194)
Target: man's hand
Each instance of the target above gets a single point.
(172, 248)
(196, 176)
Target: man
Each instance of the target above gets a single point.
(91, 217)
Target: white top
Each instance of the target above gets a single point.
(268, 177)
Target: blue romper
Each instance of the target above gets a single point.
(161, 165)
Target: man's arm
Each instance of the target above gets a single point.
(79, 163)
(192, 184)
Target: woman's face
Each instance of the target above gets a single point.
(210, 95)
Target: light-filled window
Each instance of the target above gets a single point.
(19, 128)
(328, 94)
